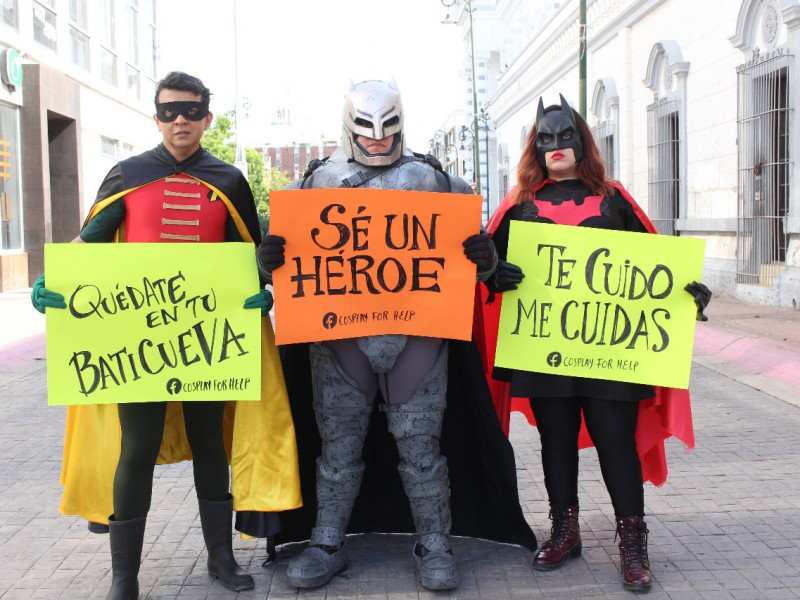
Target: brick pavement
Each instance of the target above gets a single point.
(725, 525)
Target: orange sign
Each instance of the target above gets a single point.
(369, 262)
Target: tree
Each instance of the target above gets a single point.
(274, 180)
(218, 140)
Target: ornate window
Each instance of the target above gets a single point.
(765, 142)
(666, 136)
(605, 108)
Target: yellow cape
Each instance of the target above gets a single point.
(259, 436)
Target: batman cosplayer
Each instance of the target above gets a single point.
(561, 180)
(178, 193)
(396, 433)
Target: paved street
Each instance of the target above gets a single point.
(725, 525)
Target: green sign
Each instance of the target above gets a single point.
(152, 322)
(600, 304)
(11, 68)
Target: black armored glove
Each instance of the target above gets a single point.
(701, 295)
(506, 277)
(270, 256)
(479, 248)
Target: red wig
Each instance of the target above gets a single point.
(590, 169)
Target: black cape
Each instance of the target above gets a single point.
(90, 422)
(483, 479)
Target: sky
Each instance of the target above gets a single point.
(297, 57)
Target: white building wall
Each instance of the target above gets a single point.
(102, 116)
(106, 110)
(621, 37)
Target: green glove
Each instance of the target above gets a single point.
(43, 298)
(262, 300)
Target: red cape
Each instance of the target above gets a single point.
(667, 414)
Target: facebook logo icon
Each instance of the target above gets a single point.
(554, 359)
(329, 320)
(174, 386)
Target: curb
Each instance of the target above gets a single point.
(748, 360)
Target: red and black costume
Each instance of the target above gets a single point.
(626, 422)
(663, 412)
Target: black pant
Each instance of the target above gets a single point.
(142, 429)
(612, 427)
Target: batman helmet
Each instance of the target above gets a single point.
(372, 109)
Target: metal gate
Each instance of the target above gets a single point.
(663, 149)
(764, 168)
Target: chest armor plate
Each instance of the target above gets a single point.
(178, 208)
(415, 176)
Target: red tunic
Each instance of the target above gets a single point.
(178, 208)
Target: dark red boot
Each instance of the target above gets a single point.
(564, 542)
(635, 564)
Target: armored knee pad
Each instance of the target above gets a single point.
(342, 412)
(417, 424)
(341, 409)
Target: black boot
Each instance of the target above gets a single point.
(272, 554)
(216, 518)
(126, 556)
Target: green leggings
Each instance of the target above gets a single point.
(142, 429)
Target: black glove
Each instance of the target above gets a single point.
(270, 256)
(701, 295)
(479, 248)
(506, 277)
(529, 211)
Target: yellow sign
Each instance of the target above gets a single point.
(369, 262)
(152, 322)
(600, 304)
(5, 158)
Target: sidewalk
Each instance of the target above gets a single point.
(724, 526)
(752, 344)
(19, 321)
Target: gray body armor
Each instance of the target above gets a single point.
(413, 175)
(345, 386)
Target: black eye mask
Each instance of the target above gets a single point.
(166, 112)
(556, 129)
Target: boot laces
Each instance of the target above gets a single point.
(634, 540)
(560, 527)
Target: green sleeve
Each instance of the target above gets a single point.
(105, 223)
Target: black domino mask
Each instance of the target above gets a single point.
(166, 112)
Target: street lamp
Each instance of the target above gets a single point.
(443, 150)
(436, 141)
(240, 161)
(475, 156)
(465, 135)
(486, 125)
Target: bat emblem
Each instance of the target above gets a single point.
(569, 212)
